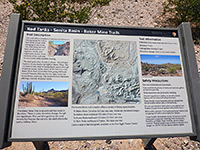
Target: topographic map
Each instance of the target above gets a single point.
(105, 72)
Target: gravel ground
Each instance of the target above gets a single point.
(145, 13)
(5, 11)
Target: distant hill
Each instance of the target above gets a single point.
(167, 69)
(54, 91)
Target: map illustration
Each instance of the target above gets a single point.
(105, 72)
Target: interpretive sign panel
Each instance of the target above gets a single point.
(77, 82)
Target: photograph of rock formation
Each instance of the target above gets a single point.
(161, 65)
(58, 48)
(43, 94)
(105, 72)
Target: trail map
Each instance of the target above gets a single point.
(105, 72)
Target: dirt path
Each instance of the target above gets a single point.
(39, 101)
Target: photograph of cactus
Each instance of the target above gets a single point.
(105, 72)
(58, 48)
(43, 94)
(161, 65)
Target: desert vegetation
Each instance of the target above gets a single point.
(179, 11)
(167, 69)
(29, 98)
(81, 11)
(73, 11)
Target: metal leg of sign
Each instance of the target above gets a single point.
(148, 144)
(193, 138)
(41, 145)
(7, 144)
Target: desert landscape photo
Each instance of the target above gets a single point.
(161, 65)
(58, 48)
(43, 94)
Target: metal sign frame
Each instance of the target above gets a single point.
(10, 75)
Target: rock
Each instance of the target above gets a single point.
(155, 24)
(186, 142)
(108, 141)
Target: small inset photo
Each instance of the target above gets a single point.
(161, 65)
(43, 94)
(58, 48)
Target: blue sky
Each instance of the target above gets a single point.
(58, 42)
(47, 85)
(160, 59)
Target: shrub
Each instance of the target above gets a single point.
(50, 94)
(183, 10)
(146, 67)
(179, 67)
(65, 99)
(172, 69)
(58, 95)
(73, 11)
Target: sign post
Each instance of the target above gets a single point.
(192, 72)
(7, 77)
(81, 82)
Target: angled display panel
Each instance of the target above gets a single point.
(98, 82)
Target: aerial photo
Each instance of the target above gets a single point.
(105, 72)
